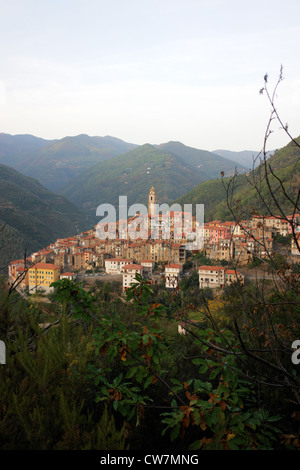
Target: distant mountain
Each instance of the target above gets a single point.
(209, 163)
(32, 216)
(247, 158)
(56, 162)
(244, 157)
(15, 148)
(173, 169)
(285, 163)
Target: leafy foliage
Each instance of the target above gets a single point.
(107, 374)
(47, 400)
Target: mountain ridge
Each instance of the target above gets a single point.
(55, 162)
(31, 216)
(285, 163)
(195, 156)
(247, 158)
(134, 172)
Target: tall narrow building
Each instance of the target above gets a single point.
(151, 201)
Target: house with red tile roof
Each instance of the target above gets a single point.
(129, 274)
(116, 265)
(173, 274)
(217, 276)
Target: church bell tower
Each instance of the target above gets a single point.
(151, 201)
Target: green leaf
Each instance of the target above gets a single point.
(131, 372)
(203, 369)
(198, 361)
(145, 339)
(115, 405)
(148, 381)
(175, 432)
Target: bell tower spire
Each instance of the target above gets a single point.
(151, 200)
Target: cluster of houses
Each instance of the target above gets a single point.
(249, 238)
(120, 255)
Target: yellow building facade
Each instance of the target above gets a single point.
(41, 276)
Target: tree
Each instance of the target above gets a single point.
(225, 383)
(253, 353)
(272, 312)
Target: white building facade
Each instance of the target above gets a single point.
(116, 265)
(173, 274)
(129, 273)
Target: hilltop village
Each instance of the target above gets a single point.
(87, 254)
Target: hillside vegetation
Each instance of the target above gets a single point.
(247, 158)
(56, 162)
(69, 165)
(16, 148)
(285, 165)
(32, 216)
(208, 163)
(133, 173)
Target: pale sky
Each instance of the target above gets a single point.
(149, 71)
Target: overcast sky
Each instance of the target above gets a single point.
(149, 71)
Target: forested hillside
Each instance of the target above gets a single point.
(247, 158)
(209, 163)
(56, 162)
(283, 170)
(134, 173)
(31, 216)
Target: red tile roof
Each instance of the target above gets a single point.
(119, 259)
(211, 268)
(173, 265)
(133, 266)
(45, 266)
